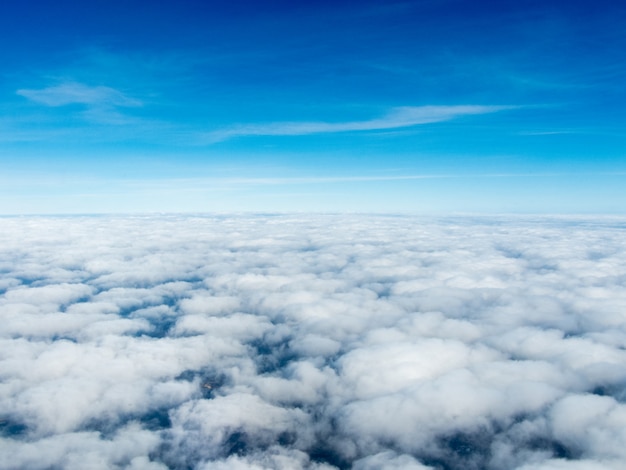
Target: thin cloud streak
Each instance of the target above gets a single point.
(79, 93)
(405, 116)
(279, 181)
(196, 183)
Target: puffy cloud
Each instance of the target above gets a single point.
(128, 448)
(592, 425)
(312, 342)
(389, 461)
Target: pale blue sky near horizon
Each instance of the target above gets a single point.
(411, 106)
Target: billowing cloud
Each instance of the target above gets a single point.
(405, 116)
(312, 342)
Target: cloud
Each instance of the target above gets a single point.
(127, 448)
(312, 342)
(79, 93)
(101, 104)
(400, 117)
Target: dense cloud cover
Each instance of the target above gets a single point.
(312, 342)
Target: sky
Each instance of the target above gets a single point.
(415, 106)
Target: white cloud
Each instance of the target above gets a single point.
(389, 461)
(100, 104)
(405, 116)
(312, 342)
(128, 448)
(79, 93)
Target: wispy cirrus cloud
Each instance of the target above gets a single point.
(102, 104)
(79, 93)
(404, 116)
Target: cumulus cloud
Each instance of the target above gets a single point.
(404, 116)
(312, 342)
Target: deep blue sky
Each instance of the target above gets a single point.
(437, 105)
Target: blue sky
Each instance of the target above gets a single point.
(418, 106)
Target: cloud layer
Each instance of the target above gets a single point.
(312, 342)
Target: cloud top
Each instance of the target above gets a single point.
(312, 342)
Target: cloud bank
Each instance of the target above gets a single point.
(312, 342)
(405, 116)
